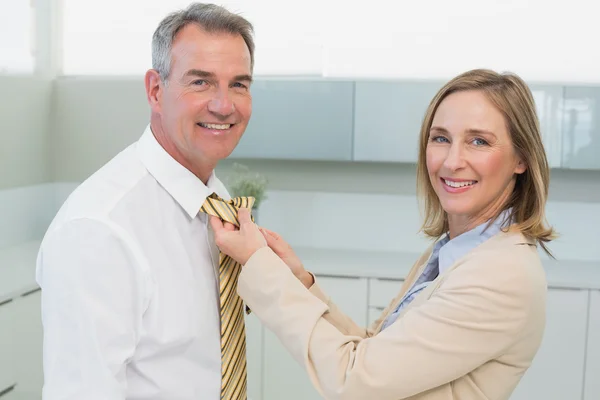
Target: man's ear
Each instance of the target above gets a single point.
(154, 90)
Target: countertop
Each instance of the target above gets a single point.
(567, 274)
(17, 267)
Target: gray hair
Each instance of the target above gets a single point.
(210, 17)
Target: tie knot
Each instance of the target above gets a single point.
(227, 210)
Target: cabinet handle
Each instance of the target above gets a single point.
(390, 279)
(5, 302)
(337, 276)
(8, 390)
(31, 292)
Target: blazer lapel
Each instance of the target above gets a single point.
(409, 281)
(503, 239)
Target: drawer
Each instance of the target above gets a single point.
(9, 393)
(7, 324)
(374, 313)
(383, 291)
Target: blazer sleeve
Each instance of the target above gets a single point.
(472, 318)
(341, 321)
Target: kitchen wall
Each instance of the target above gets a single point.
(320, 204)
(26, 197)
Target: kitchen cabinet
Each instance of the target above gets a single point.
(10, 394)
(592, 366)
(284, 378)
(299, 119)
(548, 103)
(28, 346)
(581, 128)
(558, 368)
(7, 338)
(388, 117)
(254, 350)
(381, 294)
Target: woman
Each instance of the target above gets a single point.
(471, 314)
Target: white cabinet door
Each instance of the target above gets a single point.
(592, 370)
(11, 394)
(581, 128)
(28, 347)
(7, 337)
(381, 293)
(254, 353)
(284, 378)
(388, 117)
(299, 120)
(558, 368)
(549, 102)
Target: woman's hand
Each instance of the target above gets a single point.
(289, 257)
(239, 244)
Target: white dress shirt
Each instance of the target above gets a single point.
(128, 271)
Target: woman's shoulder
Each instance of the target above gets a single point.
(507, 259)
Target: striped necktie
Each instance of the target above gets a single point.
(233, 335)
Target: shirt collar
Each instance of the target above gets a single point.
(178, 181)
(449, 251)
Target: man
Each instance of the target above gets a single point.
(128, 267)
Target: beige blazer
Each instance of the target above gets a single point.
(470, 335)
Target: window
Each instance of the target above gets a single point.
(537, 39)
(114, 36)
(428, 39)
(16, 36)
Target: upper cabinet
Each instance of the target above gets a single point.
(299, 119)
(548, 102)
(388, 117)
(380, 121)
(581, 128)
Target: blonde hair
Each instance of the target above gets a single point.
(512, 97)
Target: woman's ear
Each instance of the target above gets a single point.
(521, 166)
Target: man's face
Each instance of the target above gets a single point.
(205, 105)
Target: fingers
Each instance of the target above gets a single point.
(273, 234)
(229, 226)
(278, 246)
(244, 216)
(216, 224)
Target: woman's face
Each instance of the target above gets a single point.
(471, 160)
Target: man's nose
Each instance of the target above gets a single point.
(221, 104)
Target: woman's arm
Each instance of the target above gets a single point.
(477, 314)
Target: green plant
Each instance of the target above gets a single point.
(243, 182)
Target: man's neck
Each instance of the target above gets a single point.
(203, 171)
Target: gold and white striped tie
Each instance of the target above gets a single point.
(233, 334)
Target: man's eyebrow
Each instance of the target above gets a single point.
(244, 77)
(198, 73)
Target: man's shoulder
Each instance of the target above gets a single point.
(117, 180)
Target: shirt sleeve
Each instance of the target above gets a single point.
(92, 304)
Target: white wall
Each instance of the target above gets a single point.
(24, 118)
(24, 126)
(310, 203)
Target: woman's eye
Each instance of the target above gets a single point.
(439, 139)
(479, 142)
